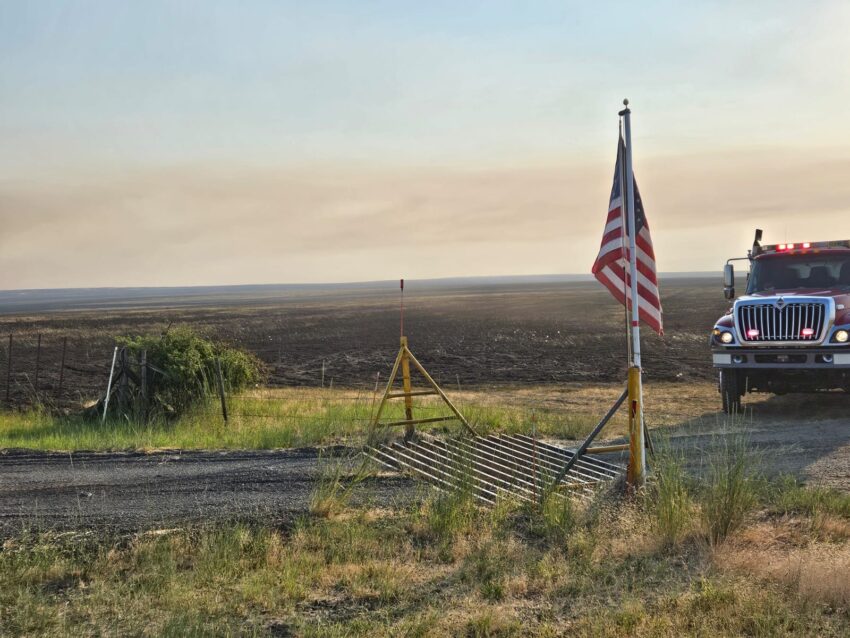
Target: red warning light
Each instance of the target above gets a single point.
(752, 332)
(781, 246)
(807, 332)
(807, 245)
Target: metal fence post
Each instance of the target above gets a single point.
(109, 384)
(405, 383)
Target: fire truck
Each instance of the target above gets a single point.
(790, 331)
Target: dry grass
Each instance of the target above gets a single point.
(445, 567)
(810, 557)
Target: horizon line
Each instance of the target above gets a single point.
(429, 280)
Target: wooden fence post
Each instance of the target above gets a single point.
(37, 365)
(61, 371)
(9, 371)
(143, 383)
(221, 388)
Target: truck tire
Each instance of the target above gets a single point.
(730, 391)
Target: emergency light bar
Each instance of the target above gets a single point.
(816, 245)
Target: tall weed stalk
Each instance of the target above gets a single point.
(335, 486)
(670, 500)
(730, 486)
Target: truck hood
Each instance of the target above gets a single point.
(802, 292)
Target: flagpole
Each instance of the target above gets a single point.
(637, 460)
(624, 222)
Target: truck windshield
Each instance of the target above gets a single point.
(796, 272)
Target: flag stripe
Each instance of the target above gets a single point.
(647, 308)
(611, 265)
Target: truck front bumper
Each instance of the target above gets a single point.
(782, 358)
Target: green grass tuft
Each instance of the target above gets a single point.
(788, 496)
(730, 487)
(669, 498)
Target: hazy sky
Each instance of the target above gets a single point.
(171, 143)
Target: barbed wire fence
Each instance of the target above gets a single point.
(49, 371)
(68, 375)
(64, 373)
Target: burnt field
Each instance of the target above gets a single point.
(473, 333)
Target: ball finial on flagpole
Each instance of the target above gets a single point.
(626, 102)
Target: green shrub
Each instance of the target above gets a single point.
(182, 367)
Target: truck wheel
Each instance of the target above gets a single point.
(730, 391)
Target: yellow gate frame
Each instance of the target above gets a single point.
(403, 360)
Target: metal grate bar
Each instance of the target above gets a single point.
(426, 465)
(546, 466)
(493, 466)
(586, 463)
(465, 467)
(402, 461)
(564, 452)
(530, 470)
(545, 457)
(493, 472)
(468, 460)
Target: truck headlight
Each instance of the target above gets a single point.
(841, 336)
(726, 337)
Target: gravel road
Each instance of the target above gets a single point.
(808, 437)
(815, 451)
(132, 491)
(804, 435)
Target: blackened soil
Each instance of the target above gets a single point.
(473, 335)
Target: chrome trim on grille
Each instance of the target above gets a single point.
(780, 320)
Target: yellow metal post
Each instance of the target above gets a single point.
(402, 363)
(442, 394)
(405, 380)
(637, 450)
(389, 389)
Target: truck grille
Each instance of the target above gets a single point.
(791, 322)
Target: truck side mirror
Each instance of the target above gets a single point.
(729, 281)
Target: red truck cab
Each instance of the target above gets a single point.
(790, 332)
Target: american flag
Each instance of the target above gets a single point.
(611, 267)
